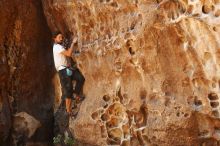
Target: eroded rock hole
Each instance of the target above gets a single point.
(131, 51)
(178, 114)
(126, 130)
(130, 47)
(116, 99)
(125, 143)
(214, 104)
(215, 28)
(103, 131)
(114, 122)
(203, 133)
(105, 117)
(197, 102)
(215, 113)
(111, 141)
(190, 9)
(119, 95)
(105, 106)
(115, 134)
(114, 4)
(213, 96)
(138, 118)
(158, 1)
(106, 98)
(143, 94)
(186, 115)
(167, 101)
(217, 128)
(132, 27)
(207, 8)
(95, 115)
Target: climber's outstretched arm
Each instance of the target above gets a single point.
(69, 51)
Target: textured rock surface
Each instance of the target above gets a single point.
(24, 125)
(151, 69)
(25, 67)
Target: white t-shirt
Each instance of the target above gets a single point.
(60, 60)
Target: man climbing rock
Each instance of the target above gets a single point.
(66, 74)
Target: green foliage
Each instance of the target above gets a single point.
(67, 140)
(57, 139)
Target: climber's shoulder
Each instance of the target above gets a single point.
(57, 48)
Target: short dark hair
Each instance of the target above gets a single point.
(54, 34)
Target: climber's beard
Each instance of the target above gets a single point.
(60, 42)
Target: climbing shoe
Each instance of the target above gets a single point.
(79, 98)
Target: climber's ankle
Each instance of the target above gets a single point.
(68, 111)
(77, 97)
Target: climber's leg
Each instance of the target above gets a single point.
(68, 105)
(78, 77)
(67, 89)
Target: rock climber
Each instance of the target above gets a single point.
(66, 73)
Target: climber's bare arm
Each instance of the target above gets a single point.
(69, 51)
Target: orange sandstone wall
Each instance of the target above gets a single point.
(151, 68)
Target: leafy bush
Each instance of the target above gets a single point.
(67, 140)
(57, 139)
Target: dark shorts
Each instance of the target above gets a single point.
(66, 83)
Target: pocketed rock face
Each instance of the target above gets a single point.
(26, 65)
(151, 68)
